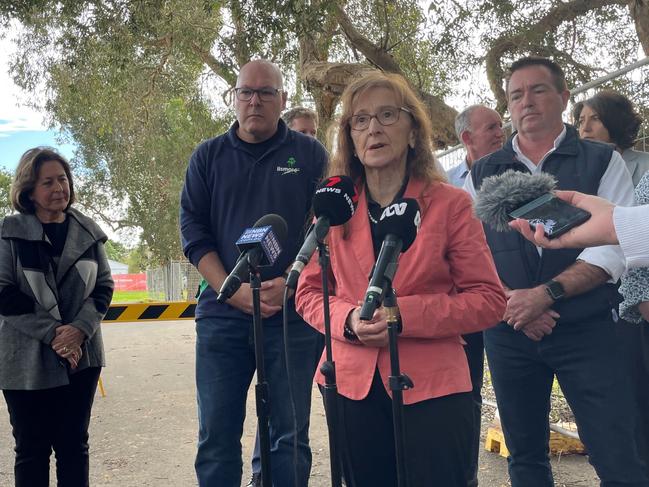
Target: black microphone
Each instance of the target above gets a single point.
(502, 194)
(398, 225)
(334, 202)
(259, 246)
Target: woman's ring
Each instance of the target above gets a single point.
(65, 349)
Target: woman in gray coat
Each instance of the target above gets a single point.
(55, 287)
(610, 117)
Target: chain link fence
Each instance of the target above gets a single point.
(176, 281)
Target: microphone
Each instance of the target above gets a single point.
(398, 225)
(502, 194)
(259, 246)
(334, 202)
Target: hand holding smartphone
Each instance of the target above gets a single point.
(556, 216)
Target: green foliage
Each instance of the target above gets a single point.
(136, 297)
(5, 187)
(469, 28)
(138, 259)
(116, 251)
(122, 79)
(129, 81)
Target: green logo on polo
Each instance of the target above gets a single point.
(289, 168)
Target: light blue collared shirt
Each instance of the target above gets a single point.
(456, 175)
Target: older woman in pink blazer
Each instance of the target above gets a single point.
(446, 286)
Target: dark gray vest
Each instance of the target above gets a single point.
(577, 165)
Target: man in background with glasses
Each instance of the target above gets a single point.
(258, 167)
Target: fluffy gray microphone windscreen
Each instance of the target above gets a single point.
(502, 194)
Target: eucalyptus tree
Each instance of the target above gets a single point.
(137, 84)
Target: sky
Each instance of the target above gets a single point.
(21, 127)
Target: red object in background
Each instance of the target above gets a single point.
(130, 282)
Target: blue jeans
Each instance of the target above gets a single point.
(256, 452)
(225, 364)
(585, 357)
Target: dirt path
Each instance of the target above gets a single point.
(143, 433)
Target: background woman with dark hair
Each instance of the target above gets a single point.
(446, 286)
(55, 287)
(609, 117)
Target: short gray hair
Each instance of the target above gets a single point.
(299, 112)
(463, 120)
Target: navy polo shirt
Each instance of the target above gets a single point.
(228, 188)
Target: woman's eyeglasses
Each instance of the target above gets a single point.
(385, 116)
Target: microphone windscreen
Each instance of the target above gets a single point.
(278, 224)
(500, 195)
(335, 198)
(402, 219)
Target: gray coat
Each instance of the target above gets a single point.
(637, 163)
(34, 300)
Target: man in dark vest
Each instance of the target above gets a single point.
(561, 313)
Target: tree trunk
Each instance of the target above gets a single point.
(640, 12)
(529, 40)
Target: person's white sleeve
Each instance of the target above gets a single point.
(616, 186)
(468, 186)
(632, 228)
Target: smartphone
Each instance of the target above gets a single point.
(556, 215)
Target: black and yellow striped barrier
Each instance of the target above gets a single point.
(163, 311)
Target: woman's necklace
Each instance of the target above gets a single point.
(372, 219)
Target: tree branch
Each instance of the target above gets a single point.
(530, 39)
(219, 68)
(639, 10)
(114, 224)
(377, 56)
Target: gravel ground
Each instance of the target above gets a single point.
(143, 433)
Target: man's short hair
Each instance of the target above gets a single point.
(299, 112)
(463, 120)
(558, 76)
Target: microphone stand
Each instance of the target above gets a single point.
(262, 396)
(398, 383)
(328, 369)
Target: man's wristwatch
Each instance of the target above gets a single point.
(555, 290)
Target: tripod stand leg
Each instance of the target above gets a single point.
(398, 383)
(328, 369)
(261, 388)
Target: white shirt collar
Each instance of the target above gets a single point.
(525, 160)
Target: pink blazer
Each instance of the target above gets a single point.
(446, 286)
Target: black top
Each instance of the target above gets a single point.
(57, 233)
(374, 211)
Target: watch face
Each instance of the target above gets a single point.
(555, 289)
